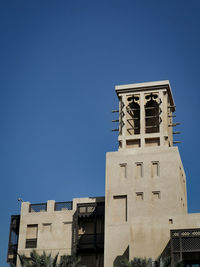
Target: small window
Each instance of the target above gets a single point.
(170, 221)
(155, 169)
(46, 227)
(139, 196)
(123, 170)
(156, 195)
(31, 236)
(139, 169)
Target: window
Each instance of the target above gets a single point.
(156, 195)
(133, 114)
(152, 110)
(47, 227)
(123, 170)
(119, 211)
(139, 169)
(155, 169)
(31, 236)
(139, 196)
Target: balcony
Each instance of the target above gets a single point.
(88, 228)
(183, 246)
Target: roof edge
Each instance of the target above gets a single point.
(135, 87)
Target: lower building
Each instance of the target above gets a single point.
(145, 205)
(60, 227)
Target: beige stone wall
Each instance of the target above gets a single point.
(54, 230)
(131, 174)
(149, 235)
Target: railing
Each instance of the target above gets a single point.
(187, 240)
(86, 241)
(63, 206)
(38, 207)
(184, 241)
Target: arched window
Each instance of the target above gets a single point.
(152, 114)
(133, 115)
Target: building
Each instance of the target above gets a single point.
(145, 203)
(60, 227)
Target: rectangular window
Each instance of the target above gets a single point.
(139, 196)
(139, 169)
(31, 236)
(156, 195)
(155, 169)
(123, 170)
(119, 211)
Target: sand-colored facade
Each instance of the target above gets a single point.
(51, 229)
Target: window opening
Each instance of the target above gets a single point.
(152, 111)
(133, 115)
(139, 196)
(31, 236)
(139, 169)
(156, 195)
(123, 167)
(155, 168)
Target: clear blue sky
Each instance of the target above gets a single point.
(59, 62)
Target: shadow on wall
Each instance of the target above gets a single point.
(117, 261)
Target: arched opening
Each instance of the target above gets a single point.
(152, 114)
(133, 115)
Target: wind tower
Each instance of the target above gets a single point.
(145, 115)
(145, 177)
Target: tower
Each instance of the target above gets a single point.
(145, 179)
(145, 115)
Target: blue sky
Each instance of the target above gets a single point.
(59, 62)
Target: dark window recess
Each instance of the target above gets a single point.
(31, 243)
(89, 241)
(133, 115)
(38, 207)
(31, 236)
(63, 205)
(152, 114)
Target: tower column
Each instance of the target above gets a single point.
(161, 118)
(142, 120)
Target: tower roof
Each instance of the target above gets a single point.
(136, 87)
